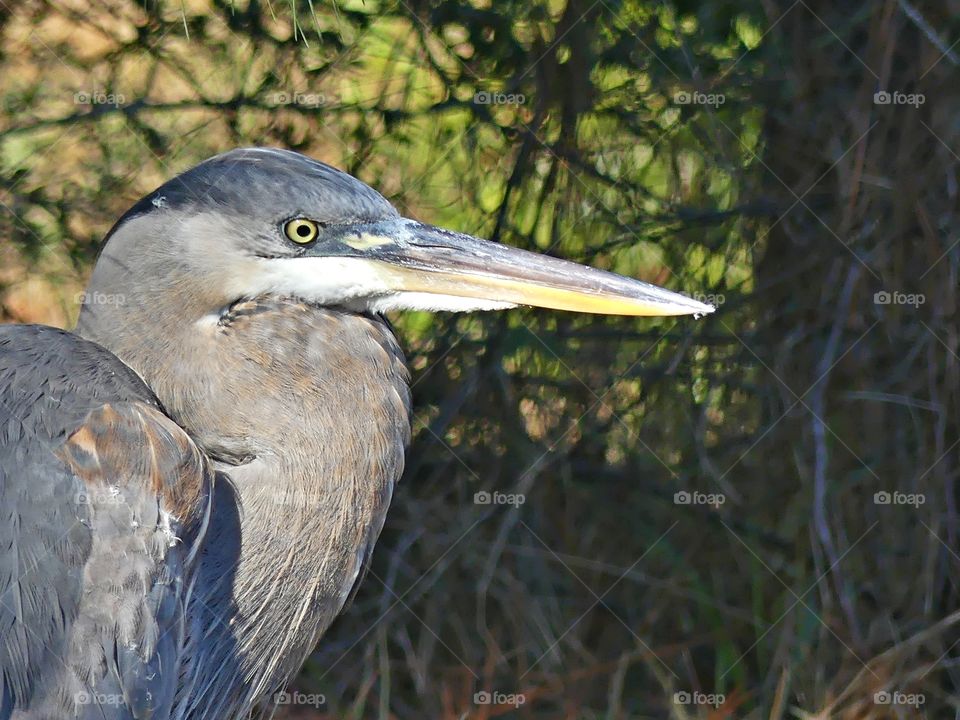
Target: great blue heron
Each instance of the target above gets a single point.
(230, 357)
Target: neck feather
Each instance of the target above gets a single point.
(307, 413)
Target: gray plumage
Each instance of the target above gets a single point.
(191, 484)
(92, 587)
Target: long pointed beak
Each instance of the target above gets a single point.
(413, 257)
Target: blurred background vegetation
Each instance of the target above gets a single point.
(736, 151)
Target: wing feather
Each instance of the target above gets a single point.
(103, 505)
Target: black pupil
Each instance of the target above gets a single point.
(303, 230)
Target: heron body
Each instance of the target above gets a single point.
(192, 483)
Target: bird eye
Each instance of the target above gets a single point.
(301, 230)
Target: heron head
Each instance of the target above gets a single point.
(260, 221)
